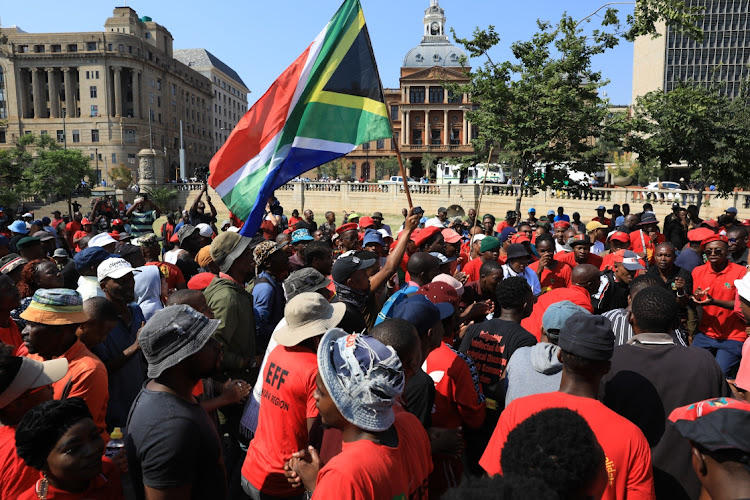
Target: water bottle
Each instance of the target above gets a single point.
(115, 443)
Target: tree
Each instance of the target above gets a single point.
(695, 125)
(428, 161)
(12, 163)
(386, 167)
(162, 196)
(54, 171)
(542, 111)
(334, 169)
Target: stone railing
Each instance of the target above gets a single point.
(497, 198)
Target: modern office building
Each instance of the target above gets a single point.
(426, 117)
(109, 93)
(722, 57)
(230, 92)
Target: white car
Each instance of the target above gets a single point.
(663, 185)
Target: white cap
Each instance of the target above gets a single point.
(477, 237)
(743, 287)
(385, 233)
(434, 222)
(28, 214)
(205, 230)
(101, 240)
(114, 268)
(233, 229)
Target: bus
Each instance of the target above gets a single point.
(451, 174)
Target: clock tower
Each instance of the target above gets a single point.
(434, 22)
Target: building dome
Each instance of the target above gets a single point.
(435, 49)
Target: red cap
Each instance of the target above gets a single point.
(346, 227)
(200, 281)
(620, 236)
(451, 236)
(712, 238)
(117, 222)
(440, 293)
(174, 239)
(424, 235)
(85, 221)
(519, 238)
(710, 223)
(563, 224)
(366, 222)
(745, 222)
(699, 234)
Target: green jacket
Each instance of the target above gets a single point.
(234, 307)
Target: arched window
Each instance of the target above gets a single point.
(3, 97)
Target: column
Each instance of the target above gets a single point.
(446, 142)
(36, 84)
(22, 93)
(118, 91)
(468, 132)
(70, 95)
(54, 93)
(465, 134)
(136, 87)
(110, 98)
(405, 137)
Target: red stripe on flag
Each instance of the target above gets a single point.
(258, 126)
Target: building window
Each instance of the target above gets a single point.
(114, 158)
(43, 132)
(435, 136)
(76, 135)
(72, 47)
(94, 135)
(109, 46)
(94, 110)
(129, 135)
(96, 73)
(174, 89)
(3, 105)
(90, 46)
(56, 48)
(24, 49)
(380, 144)
(394, 113)
(60, 136)
(121, 47)
(2, 136)
(455, 136)
(416, 137)
(148, 35)
(131, 158)
(130, 49)
(366, 146)
(436, 94)
(366, 170)
(92, 91)
(39, 49)
(454, 99)
(416, 95)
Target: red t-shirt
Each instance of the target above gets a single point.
(70, 229)
(15, 476)
(11, 335)
(640, 242)
(456, 400)
(106, 485)
(717, 322)
(364, 469)
(287, 403)
(628, 456)
(473, 266)
(558, 277)
(171, 272)
(577, 295)
(569, 258)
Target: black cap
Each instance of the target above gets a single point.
(417, 210)
(516, 250)
(344, 267)
(588, 336)
(442, 210)
(510, 214)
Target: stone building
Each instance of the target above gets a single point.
(722, 57)
(110, 93)
(230, 92)
(426, 117)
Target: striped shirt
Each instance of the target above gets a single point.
(142, 222)
(624, 330)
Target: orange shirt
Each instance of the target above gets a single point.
(15, 476)
(577, 295)
(364, 469)
(107, 485)
(472, 268)
(89, 381)
(570, 259)
(171, 272)
(628, 455)
(287, 403)
(717, 322)
(558, 277)
(640, 242)
(11, 335)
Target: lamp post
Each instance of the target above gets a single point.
(98, 173)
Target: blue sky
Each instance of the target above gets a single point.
(259, 39)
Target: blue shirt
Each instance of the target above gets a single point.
(688, 260)
(125, 383)
(564, 217)
(268, 305)
(393, 301)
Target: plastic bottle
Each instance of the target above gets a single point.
(115, 443)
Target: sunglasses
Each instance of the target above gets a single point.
(714, 251)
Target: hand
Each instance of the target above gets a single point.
(461, 277)
(464, 328)
(208, 198)
(702, 297)
(680, 284)
(120, 459)
(306, 466)
(477, 310)
(411, 223)
(236, 391)
(544, 260)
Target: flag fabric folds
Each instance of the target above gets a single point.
(325, 104)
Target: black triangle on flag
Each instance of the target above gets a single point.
(356, 74)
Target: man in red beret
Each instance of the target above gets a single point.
(560, 228)
(720, 330)
(430, 239)
(618, 240)
(348, 238)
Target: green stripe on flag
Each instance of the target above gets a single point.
(342, 124)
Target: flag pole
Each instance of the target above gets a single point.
(481, 193)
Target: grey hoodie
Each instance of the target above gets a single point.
(533, 370)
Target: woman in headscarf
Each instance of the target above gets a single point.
(148, 290)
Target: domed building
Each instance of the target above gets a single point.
(426, 117)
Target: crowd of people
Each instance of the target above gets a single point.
(543, 358)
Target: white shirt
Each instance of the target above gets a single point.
(88, 287)
(531, 278)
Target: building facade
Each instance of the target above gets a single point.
(426, 117)
(230, 92)
(722, 57)
(109, 94)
